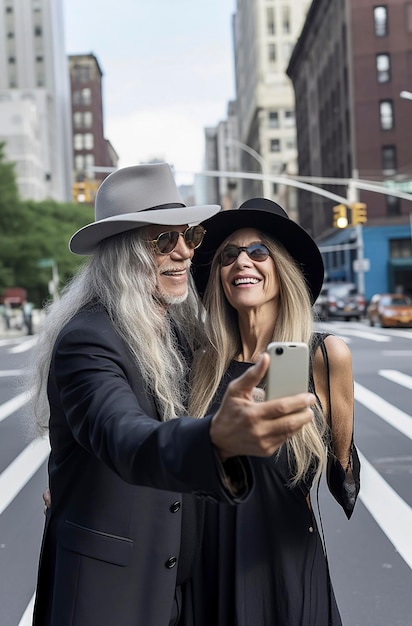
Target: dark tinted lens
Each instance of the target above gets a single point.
(194, 236)
(257, 252)
(166, 242)
(229, 255)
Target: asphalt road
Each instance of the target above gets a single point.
(370, 556)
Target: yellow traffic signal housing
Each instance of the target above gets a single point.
(359, 215)
(340, 219)
(85, 191)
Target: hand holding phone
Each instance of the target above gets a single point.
(288, 372)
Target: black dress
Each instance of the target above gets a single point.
(262, 562)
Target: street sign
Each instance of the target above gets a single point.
(361, 265)
(45, 263)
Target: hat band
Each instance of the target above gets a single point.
(171, 205)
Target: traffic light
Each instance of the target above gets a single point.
(340, 219)
(359, 213)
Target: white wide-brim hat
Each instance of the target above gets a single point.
(133, 197)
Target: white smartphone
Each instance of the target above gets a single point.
(288, 372)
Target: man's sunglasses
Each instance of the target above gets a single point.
(256, 252)
(165, 243)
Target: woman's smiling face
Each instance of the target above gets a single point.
(247, 283)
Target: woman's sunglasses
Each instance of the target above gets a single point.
(256, 252)
(165, 243)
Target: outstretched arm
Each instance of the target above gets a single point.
(242, 426)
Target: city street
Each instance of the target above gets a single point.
(370, 556)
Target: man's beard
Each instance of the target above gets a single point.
(170, 300)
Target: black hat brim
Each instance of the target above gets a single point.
(293, 237)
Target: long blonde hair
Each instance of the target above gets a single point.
(294, 322)
(121, 278)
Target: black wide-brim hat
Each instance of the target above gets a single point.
(269, 218)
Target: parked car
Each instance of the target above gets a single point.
(390, 309)
(344, 301)
(320, 307)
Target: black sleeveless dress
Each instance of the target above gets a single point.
(262, 562)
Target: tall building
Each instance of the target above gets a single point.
(93, 155)
(350, 64)
(264, 34)
(35, 97)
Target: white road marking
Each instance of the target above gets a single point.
(371, 336)
(19, 472)
(5, 373)
(13, 405)
(24, 346)
(397, 377)
(27, 617)
(391, 513)
(386, 411)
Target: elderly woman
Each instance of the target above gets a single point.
(259, 273)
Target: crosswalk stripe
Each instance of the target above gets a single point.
(392, 514)
(386, 411)
(13, 405)
(27, 617)
(19, 472)
(364, 334)
(5, 373)
(397, 377)
(24, 346)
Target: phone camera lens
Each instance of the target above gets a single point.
(279, 350)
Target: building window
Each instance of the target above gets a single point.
(383, 68)
(272, 52)
(78, 142)
(400, 248)
(10, 35)
(79, 162)
(37, 31)
(77, 120)
(12, 60)
(380, 17)
(87, 119)
(82, 73)
(273, 119)
(285, 20)
(275, 189)
(389, 160)
(275, 145)
(270, 21)
(88, 141)
(289, 119)
(386, 114)
(393, 206)
(89, 161)
(86, 97)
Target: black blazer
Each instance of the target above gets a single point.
(117, 474)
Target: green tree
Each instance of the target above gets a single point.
(31, 231)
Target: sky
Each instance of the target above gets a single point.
(167, 73)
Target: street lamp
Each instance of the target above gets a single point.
(258, 157)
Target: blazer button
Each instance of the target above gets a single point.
(171, 562)
(175, 507)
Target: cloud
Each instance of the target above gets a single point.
(175, 135)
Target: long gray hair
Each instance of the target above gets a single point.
(294, 322)
(121, 277)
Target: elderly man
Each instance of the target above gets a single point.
(129, 470)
